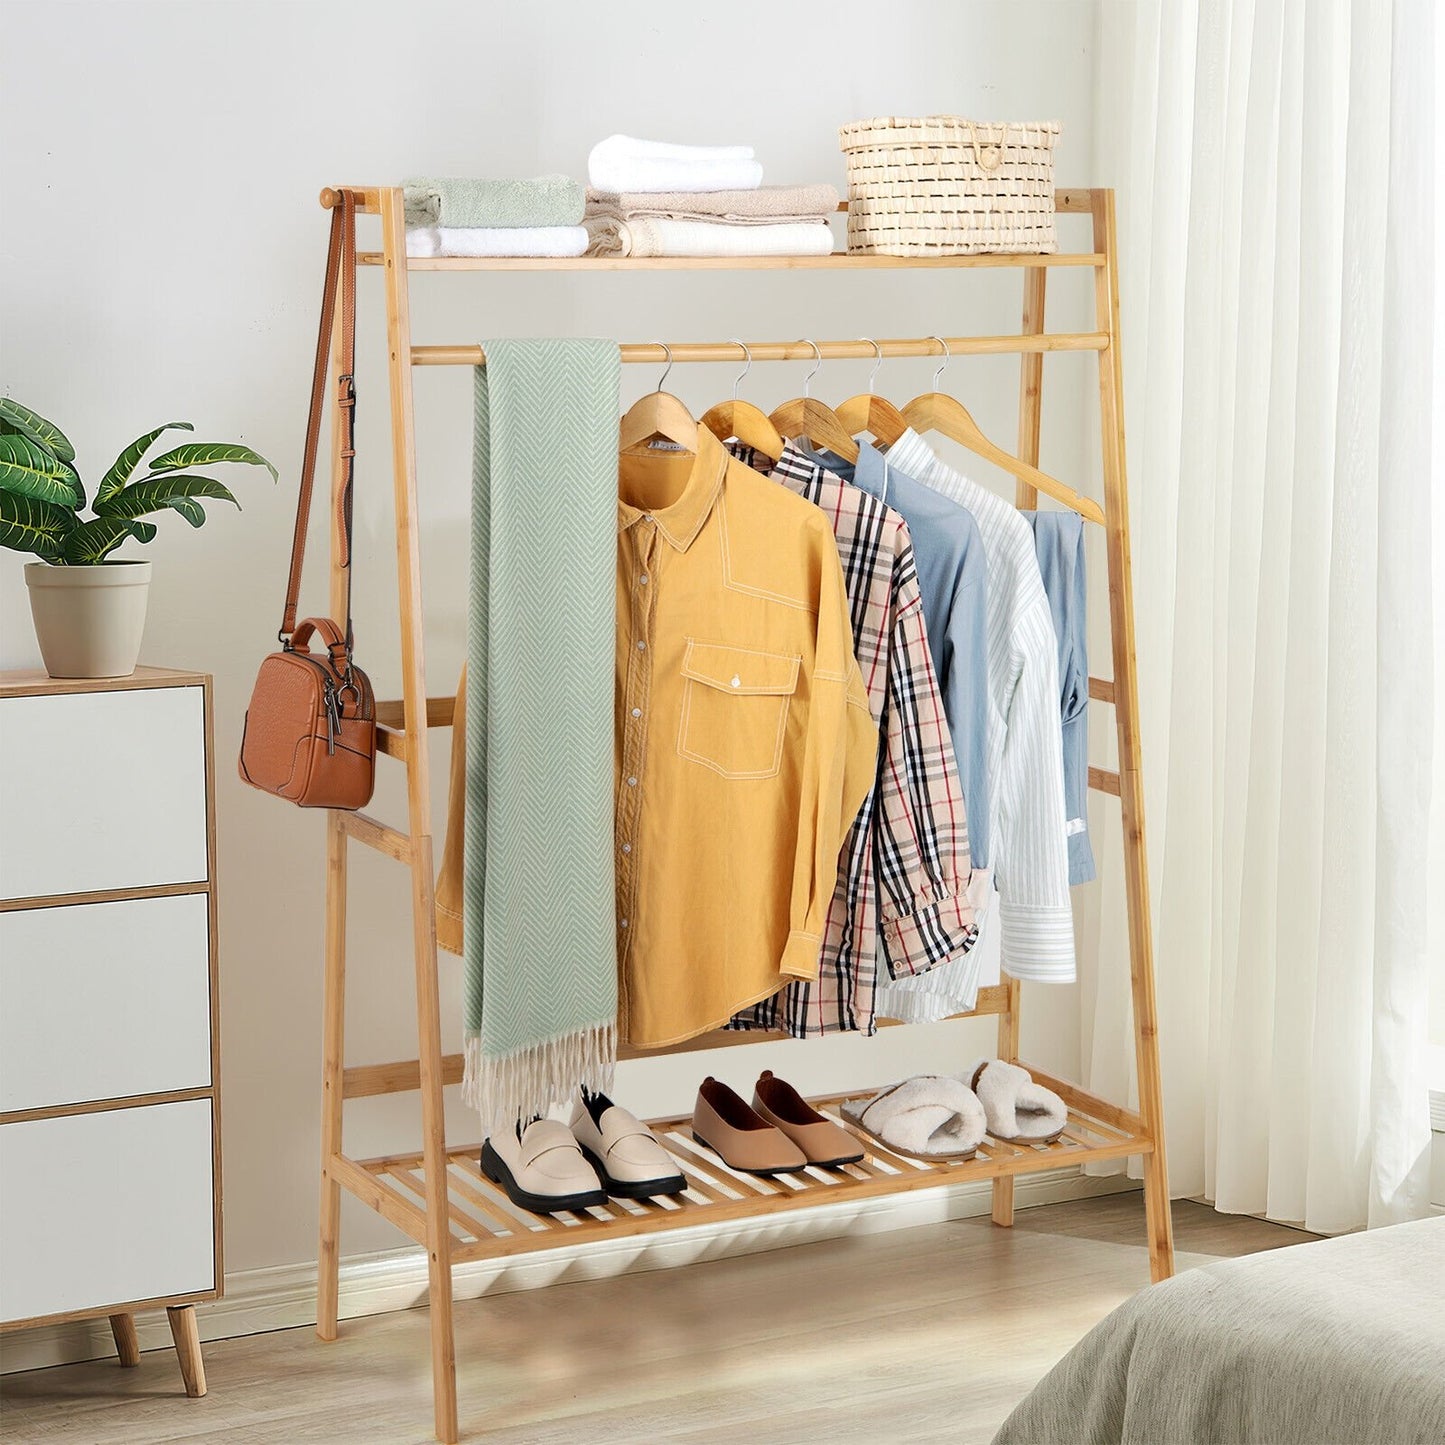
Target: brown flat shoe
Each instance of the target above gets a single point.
(826, 1144)
(722, 1120)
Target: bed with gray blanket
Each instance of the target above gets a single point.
(1340, 1342)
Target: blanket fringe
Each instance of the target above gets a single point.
(530, 1081)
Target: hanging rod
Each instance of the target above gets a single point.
(654, 352)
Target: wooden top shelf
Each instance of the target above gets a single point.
(34, 681)
(838, 261)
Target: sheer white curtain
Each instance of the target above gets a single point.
(1274, 164)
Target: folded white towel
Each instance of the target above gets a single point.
(497, 241)
(1015, 1106)
(659, 236)
(621, 163)
(661, 150)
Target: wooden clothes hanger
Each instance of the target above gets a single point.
(658, 416)
(871, 413)
(935, 411)
(810, 419)
(742, 420)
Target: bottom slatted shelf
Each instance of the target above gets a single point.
(485, 1224)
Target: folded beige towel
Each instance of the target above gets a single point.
(609, 235)
(763, 206)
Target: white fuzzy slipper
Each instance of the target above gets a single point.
(930, 1116)
(1016, 1107)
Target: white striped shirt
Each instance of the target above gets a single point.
(1025, 746)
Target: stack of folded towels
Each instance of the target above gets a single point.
(461, 217)
(647, 198)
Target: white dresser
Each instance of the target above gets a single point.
(110, 1151)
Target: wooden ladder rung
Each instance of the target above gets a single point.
(364, 1081)
(376, 834)
(1103, 781)
(391, 713)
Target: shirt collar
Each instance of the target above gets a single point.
(683, 520)
(911, 455)
(871, 470)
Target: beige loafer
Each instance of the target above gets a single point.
(826, 1144)
(541, 1168)
(722, 1120)
(628, 1158)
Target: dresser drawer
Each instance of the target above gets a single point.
(102, 790)
(104, 1000)
(105, 1208)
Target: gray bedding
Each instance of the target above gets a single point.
(1340, 1342)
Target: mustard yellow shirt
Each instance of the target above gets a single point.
(744, 741)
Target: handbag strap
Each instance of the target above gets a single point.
(340, 274)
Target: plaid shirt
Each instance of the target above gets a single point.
(906, 861)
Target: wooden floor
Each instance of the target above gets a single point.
(930, 1334)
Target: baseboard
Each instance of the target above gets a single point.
(284, 1297)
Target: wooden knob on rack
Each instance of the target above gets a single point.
(330, 198)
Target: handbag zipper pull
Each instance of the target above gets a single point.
(333, 719)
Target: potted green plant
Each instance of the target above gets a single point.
(89, 608)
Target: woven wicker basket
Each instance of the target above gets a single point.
(944, 186)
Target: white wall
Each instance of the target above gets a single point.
(162, 251)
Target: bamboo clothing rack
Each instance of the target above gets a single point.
(436, 1195)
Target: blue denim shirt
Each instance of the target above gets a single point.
(952, 577)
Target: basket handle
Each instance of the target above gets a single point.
(990, 155)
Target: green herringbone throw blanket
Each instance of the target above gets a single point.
(540, 952)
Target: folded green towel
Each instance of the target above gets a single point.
(464, 202)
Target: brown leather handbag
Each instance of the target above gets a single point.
(310, 734)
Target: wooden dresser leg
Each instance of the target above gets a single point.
(188, 1348)
(127, 1346)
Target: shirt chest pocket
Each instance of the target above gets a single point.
(735, 703)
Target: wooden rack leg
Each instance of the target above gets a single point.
(182, 1319)
(418, 784)
(127, 1345)
(333, 1039)
(1008, 1050)
(1126, 710)
(333, 1050)
(1031, 377)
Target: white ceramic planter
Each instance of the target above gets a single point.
(89, 620)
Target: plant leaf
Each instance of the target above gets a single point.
(143, 531)
(92, 542)
(126, 463)
(153, 494)
(200, 454)
(30, 525)
(27, 469)
(45, 434)
(193, 512)
(76, 484)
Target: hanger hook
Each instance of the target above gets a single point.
(667, 350)
(747, 367)
(947, 357)
(877, 362)
(817, 367)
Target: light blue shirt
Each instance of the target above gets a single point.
(952, 577)
(1059, 544)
